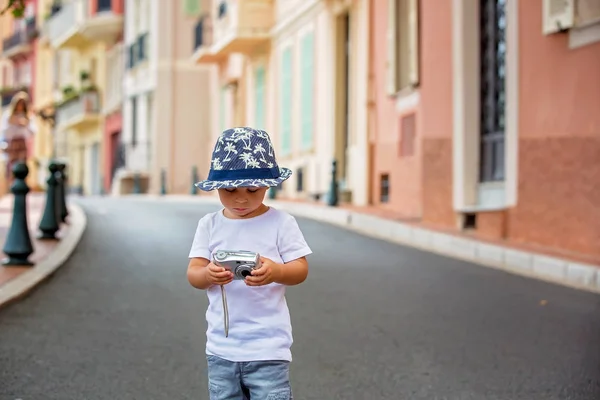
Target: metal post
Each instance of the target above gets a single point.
(332, 199)
(137, 188)
(163, 182)
(18, 245)
(49, 224)
(61, 191)
(194, 189)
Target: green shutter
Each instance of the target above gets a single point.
(259, 116)
(191, 8)
(286, 101)
(307, 94)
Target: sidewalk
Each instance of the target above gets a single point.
(526, 261)
(48, 255)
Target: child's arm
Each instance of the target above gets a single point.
(293, 272)
(196, 273)
(202, 274)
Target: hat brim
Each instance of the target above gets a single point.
(208, 185)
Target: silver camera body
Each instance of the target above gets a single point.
(240, 262)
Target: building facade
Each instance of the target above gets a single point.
(296, 69)
(493, 129)
(80, 33)
(17, 73)
(165, 113)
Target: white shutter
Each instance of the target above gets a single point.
(413, 41)
(587, 13)
(392, 86)
(557, 15)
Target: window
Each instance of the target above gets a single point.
(403, 45)
(259, 116)
(384, 188)
(286, 101)
(307, 90)
(492, 91)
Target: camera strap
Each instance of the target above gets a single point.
(225, 311)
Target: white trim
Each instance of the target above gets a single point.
(468, 193)
(407, 101)
(465, 66)
(511, 161)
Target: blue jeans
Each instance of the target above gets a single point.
(255, 380)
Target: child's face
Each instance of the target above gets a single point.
(243, 202)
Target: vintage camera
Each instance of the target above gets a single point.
(240, 262)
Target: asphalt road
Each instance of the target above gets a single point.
(374, 321)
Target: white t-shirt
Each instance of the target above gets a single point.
(259, 319)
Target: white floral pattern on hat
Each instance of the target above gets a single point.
(243, 157)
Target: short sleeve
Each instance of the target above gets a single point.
(290, 240)
(201, 240)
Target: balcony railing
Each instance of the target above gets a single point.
(19, 41)
(74, 23)
(81, 109)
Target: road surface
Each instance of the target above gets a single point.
(374, 321)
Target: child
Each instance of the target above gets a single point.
(252, 362)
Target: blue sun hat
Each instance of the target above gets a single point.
(243, 157)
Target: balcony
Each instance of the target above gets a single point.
(20, 42)
(80, 111)
(203, 42)
(75, 24)
(240, 26)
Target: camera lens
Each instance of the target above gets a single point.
(245, 273)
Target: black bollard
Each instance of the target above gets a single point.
(61, 192)
(163, 182)
(49, 224)
(18, 245)
(194, 189)
(332, 199)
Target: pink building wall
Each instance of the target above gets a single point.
(559, 137)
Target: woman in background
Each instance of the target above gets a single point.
(16, 127)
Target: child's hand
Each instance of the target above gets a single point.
(267, 273)
(216, 275)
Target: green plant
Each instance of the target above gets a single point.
(16, 7)
(84, 75)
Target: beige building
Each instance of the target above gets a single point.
(79, 32)
(295, 68)
(166, 121)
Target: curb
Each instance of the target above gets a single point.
(528, 264)
(23, 284)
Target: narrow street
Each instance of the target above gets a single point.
(374, 321)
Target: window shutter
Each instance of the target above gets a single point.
(286, 101)
(557, 15)
(413, 45)
(392, 85)
(259, 117)
(588, 12)
(307, 87)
